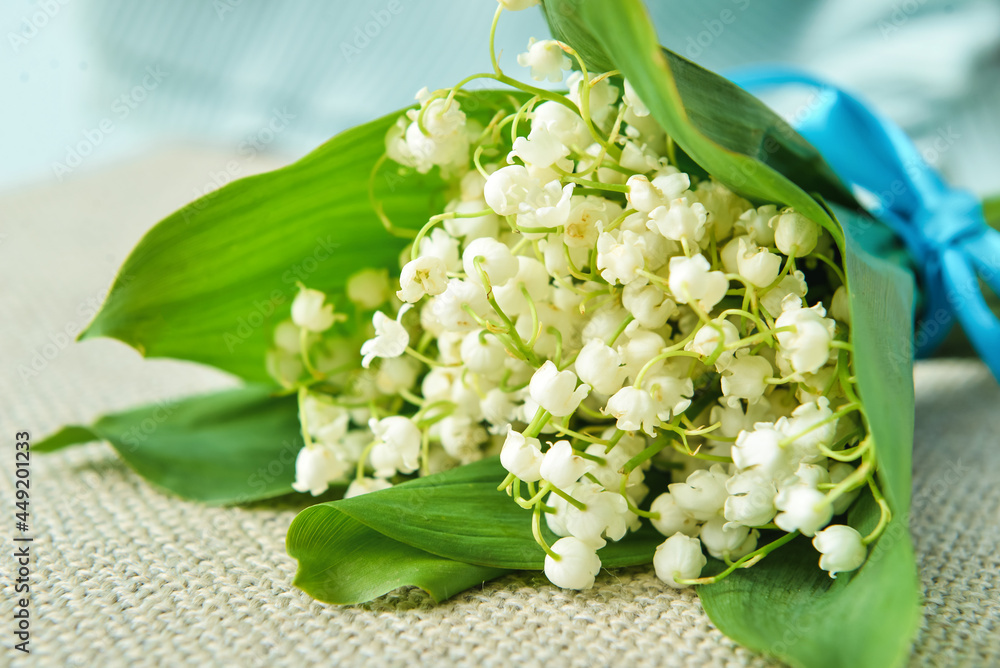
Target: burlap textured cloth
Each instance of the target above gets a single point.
(126, 575)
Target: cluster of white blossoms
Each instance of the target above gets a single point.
(605, 323)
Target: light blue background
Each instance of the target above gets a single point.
(230, 68)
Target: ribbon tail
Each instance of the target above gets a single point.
(978, 321)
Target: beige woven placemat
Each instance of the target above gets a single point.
(128, 576)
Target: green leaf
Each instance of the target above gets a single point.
(343, 561)
(230, 447)
(460, 515)
(210, 281)
(724, 129)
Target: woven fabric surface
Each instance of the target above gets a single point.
(126, 575)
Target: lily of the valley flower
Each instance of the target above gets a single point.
(391, 338)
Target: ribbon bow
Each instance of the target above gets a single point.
(943, 228)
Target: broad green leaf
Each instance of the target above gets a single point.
(724, 129)
(210, 281)
(230, 447)
(343, 561)
(460, 515)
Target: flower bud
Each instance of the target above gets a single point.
(522, 456)
(794, 234)
(310, 312)
(841, 548)
(576, 567)
(678, 558)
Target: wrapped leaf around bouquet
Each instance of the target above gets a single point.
(639, 322)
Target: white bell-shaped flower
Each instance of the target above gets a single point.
(678, 558)
(507, 188)
(427, 275)
(704, 494)
(671, 394)
(754, 223)
(576, 567)
(807, 345)
(545, 208)
(603, 96)
(522, 456)
(461, 437)
(609, 473)
(811, 426)
(757, 265)
(561, 466)
(606, 514)
(539, 149)
(546, 59)
(792, 284)
(841, 549)
(443, 246)
(751, 499)
(672, 518)
(634, 409)
(449, 307)
(391, 338)
(326, 421)
(761, 450)
(840, 306)
(316, 466)
(642, 195)
(310, 310)
(494, 258)
(745, 376)
(633, 101)
(397, 446)
(803, 509)
(707, 340)
(565, 125)
(556, 391)
(727, 541)
(794, 234)
(691, 279)
(368, 288)
(647, 303)
(366, 485)
(682, 220)
(482, 352)
(620, 256)
(600, 366)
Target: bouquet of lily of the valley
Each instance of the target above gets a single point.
(639, 322)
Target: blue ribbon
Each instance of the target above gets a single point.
(942, 227)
